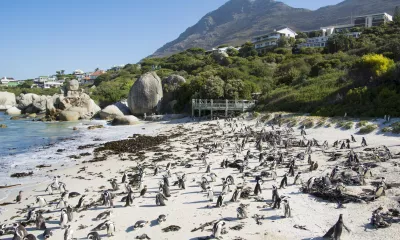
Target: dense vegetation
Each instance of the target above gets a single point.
(360, 77)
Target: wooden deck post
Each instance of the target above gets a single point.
(212, 103)
(226, 107)
(242, 105)
(199, 107)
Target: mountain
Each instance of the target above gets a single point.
(237, 21)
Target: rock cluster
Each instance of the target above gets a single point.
(170, 86)
(7, 100)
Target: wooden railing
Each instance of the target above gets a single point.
(222, 105)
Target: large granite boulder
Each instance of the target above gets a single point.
(125, 120)
(73, 85)
(69, 116)
(110, 112)
(32, 103)
(77, 101)
(7, 100)
(145, 94)
(171, 86)
(13, 111)
(123, 107)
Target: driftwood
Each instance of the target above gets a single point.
(9, 186)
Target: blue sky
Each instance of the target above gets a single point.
(38, 37)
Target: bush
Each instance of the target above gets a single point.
(386, 129)
(348, 125)
(395, 127)
(377, 63)
(362, 124)
(368, 129)
(308, 123)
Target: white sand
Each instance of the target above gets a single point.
(189, 208)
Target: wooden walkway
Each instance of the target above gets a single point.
(221, 105)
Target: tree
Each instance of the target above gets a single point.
(396, 16)
(283, 42)
(377, 64)
(232, 52)
(62, 72)
(234, 88)
(213, 88)
(301, 35)
(247, 50)
(339, 42)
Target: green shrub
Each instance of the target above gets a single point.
(368, 129)
(308, 123)
(348, 125)
(386, 129)
(362, 124)
(395, 127)
(340, 124)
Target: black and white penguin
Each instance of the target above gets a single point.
(297, 179)
(160, 199)
(217, 229)
(81, 202)
(287, 208)
(41, 201)
(166, 190)
(155, 171)
(40, 222)
(143, 191)
(110, 228)
(20, 230)
(129, 199)
(335, 232)
(124, 178)
(284, 181)
(104, 215)
(257, 188)
(30, 237)
(93, 236)
(61, 204)
(70, 213)
(139, 224)
(161, 218)
(236, 194)
(166, 181)
(63, 219)
(18, 199)
(68, 234)
(241, 212)
(220, 200)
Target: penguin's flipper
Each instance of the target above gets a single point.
(329, 234)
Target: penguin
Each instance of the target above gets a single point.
(380, 191)
(104, 215)
(297, 179)
(181, 183)
(236, 194)
(94, 236)
(40, 222)
(208, 170)
(220, 200)
(110, 228)
(61, 204)
(139, 224)
(68, 234)
(257, 189)
(287, 209)
(63, 219)
(81, 202)
(210, 194)
(129, 199)
(241, 212)
(160, 199)
(230, 180)
(47, 234)
(31, 216)
(217, 229)
(335, 232)
(18, 199)
(166, 191)
(166, 181)
(143, 191)
(284, 181)
(107, 199)
(155, 171)
(20, 230)
(70, 213)
(49, 189)
(213, 177)
(310, 183)
(168, 166)
(123, 178)
(114, 185)
(275, 193)
(29, 237)
(161, 218)
(42, 202)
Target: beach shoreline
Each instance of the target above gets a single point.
(190, 208)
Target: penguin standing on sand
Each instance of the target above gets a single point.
(42, 202)
(81, 202)
(286, 206)
(217, 229)
(166, 191)
(61, 204)
(107, 198)
(160, 199)
(181, 183)
(241, 212)
(284, 181)
(210, 194)
(123, 178)
(40, 222)
(143, 191)
(19, 230)
(213, 177)
(70, 213)
(297, 179)
(110, 228)
(310, 183)
(129, 199)
(18, 199)
(275, 193)
(68, 234)
(220, 199)
(166, 181)
(155, 171)
(236, 194)
(335, 232)
(63, 219)
(257, 188)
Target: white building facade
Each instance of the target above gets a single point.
(271, 39)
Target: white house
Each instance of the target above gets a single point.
(78, 72)
(221, 50)
(271, 39)
(358, 21)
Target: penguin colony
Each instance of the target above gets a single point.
(252, 153)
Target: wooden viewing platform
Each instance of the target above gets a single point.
(222, 105)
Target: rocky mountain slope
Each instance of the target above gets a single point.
(238, 20)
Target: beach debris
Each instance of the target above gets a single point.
(207, 224)
(43, 166)
(237, 227)
(21, 174)
(302, 227)
(258, 218)
(95, 127)
(172, 228)
(143, 236)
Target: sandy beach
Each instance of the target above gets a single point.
(190, 208)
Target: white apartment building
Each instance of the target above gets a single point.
(271, 39)
(359, 21)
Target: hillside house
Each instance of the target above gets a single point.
(271, 39)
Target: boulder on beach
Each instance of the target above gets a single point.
(69, 116)
(3, 126)
(73, 85)
(123, 107)
(32, 103)
(125, 120)
(7, 100)
(110, 112)
(171, 86)
(13, 111)
(145, 94)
